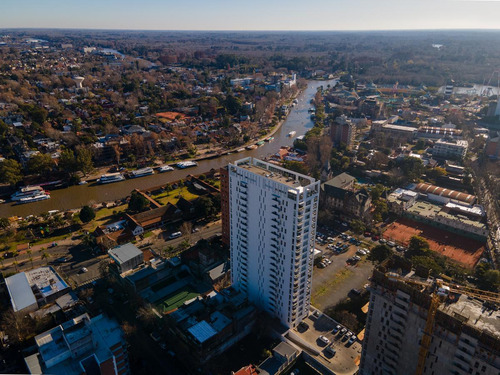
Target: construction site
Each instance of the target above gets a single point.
(455, 329)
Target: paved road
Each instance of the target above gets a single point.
(78, 257)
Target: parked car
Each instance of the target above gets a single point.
(351, 341)
(375, 237)
(330, 351)
(84, 270)
(174, 235)
(324, 340)
(382, 240)
(336, 329)
(391, 243)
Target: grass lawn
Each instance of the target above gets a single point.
(173, 196)
(104, 216)
(328, 287)
(175, 300)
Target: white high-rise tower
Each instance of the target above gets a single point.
(271, 218)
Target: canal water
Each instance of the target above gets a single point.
(298, 120)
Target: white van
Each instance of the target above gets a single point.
(174, 235)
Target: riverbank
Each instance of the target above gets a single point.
(76, 196)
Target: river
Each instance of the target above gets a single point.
(77, 196)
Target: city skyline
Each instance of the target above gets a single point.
(222, 15)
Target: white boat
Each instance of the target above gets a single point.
(36, 198)
(292, 133)
(110, 177)
(141, 172)
(27, 192)
(240, 150)
(165, 168)
(186, 164)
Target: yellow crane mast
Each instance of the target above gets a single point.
(435, 301)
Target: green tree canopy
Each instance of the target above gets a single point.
(10, 172)
(490, 280)
(205, 207)
(418, 246)
(87, 214)
(138, 202)
(40, 164)
(67, 161)
(84, 160)
(379, 253)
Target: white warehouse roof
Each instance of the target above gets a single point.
(20, 291)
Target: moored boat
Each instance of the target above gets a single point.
(165, 168)
(35, 198)
(28, 192)
(186, 164)
(141, 172)
(110, 177)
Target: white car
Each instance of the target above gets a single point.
(324, 340)
(84, 270)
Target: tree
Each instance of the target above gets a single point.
(187, 229)
(67, 162)
(418, 246)
(205, 207)
(88, 241)
(381, 209)
(4, 222)
(138, 202)
(84, 160)
(412, 168)
(377, 192)
(46, 256)
(490, 280)
(10, 172)
(357, 226)
(40, 164)
(295, 166)
(87, 214)
(379, 253)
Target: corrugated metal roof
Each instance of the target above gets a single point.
(20, 291)
(447, 193)
(124, 253)
(202, 331)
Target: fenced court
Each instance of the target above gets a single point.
(462, 249)
(175, 300)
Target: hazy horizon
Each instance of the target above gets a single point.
(260, 15)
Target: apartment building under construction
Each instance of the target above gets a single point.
(417, 325)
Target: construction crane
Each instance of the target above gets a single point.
(443, 289)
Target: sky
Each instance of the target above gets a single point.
(251, 14)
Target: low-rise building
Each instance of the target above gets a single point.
(448, 148)
(126, 257)
(430, 132)
(209, 325)
(81, 346)
(35, 288)
(340, 194)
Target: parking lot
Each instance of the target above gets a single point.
(338, 354)
(333, 283)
